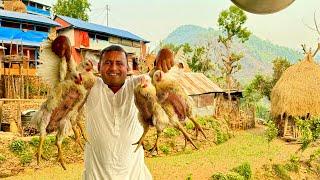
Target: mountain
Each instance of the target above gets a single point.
(258, 53)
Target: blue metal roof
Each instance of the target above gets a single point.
(18, 36)
(24, 17)
(79, 24)
(38, 11)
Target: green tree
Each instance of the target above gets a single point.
(231, 22)
(73, 8)
(200, 60)
(280, 64)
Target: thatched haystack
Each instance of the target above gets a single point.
(296, 94)
(15, 5)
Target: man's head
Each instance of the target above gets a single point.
(113, 66)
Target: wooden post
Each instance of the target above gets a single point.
(285, 126)
(19, 123)
(1, 104)
(27, 88)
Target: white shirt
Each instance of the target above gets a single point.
(112, 126)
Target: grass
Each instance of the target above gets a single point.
(246, 146)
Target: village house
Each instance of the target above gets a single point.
(89, 39)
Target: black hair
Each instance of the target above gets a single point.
(113, 48)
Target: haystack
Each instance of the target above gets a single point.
(297, 93)
(15, 5)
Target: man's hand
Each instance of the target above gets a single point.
(164, 60)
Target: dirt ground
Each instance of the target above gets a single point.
(246, 146)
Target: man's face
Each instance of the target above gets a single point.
(113, 68)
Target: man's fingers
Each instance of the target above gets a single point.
(171, 62)
(164, 66)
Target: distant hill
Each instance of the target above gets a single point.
(258, 53)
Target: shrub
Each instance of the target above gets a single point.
(34, 141)
(18, 146)
(244, 170)
(281, 172)
(228, 176)
(170, 132)
(271, 132)
(189, 177)
(2, 158)
(293, 164)
(165, 149)
(189, 125)
(25, 158)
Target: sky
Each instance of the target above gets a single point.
(154, 20)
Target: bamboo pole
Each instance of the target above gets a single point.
(285, 126)
(1, 104)
(19, 123)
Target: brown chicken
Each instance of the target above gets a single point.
(175, 102)
(66, 97)
(150, 111)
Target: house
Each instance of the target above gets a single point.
(21, 34)
(89, 38)
(38, 7)
(200, 88)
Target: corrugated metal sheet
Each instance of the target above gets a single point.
(77, 23)
(195, 83)
(43, 2)
(17, 36)
(34, 10)
(24, 17)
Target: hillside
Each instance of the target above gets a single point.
(258, 53)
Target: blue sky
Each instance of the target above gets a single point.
(155, 19)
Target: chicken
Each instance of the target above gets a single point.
(77, 115)
(150, 111)
(175, 102)
(66, 97)
(67, 94)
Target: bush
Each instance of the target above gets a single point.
(281, 172)
(34, 141)
(228, 176)
(18, 146)
(165, 149)
(171, 132)
(189, 125)
(221, 136)
(293, 164)
(271, 132)
(2, 158)
(263, 112)
(189, 177)
(244, 170)
(25, 158)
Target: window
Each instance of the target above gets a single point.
(39, 6)
(27, 26)
(101, 37)
(91, 35)
(42, 28)
(10, 24)
(33, 4)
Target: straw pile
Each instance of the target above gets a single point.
(297, 92)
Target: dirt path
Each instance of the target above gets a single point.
(247, 146)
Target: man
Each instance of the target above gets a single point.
(112, 122)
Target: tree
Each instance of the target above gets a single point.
(199, 59)
(280, 64)
(73, 8)
(231, 23)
